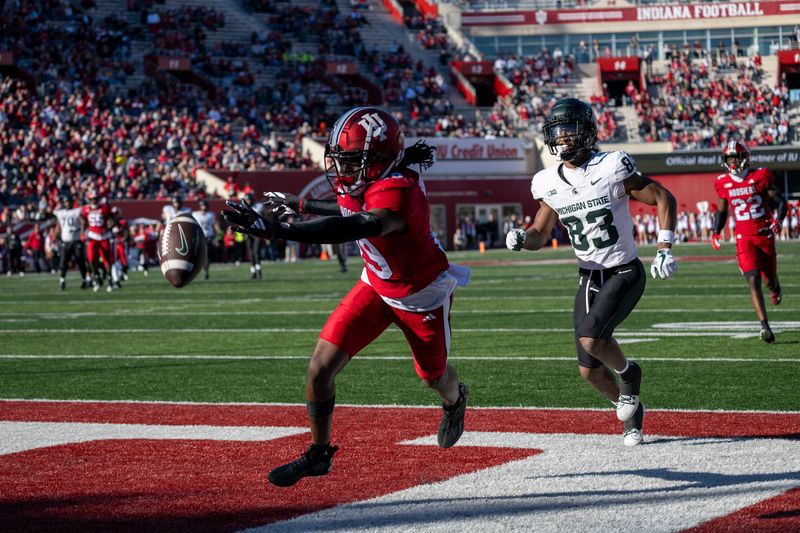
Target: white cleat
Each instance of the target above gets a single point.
(633, 437)
(627, 406)
(633, 434)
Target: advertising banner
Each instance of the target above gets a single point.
(645, 13)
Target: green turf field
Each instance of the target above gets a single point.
(235, 340)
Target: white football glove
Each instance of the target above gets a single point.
(664, 265)
(515, 239)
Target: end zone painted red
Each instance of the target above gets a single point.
(199, 485)
(781, 513)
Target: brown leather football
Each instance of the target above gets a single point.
(182, 250)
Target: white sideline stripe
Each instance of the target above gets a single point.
(732, 332)
(396, 357)
(379, 406)
(22, 436)
(96, 299)
(494, 312)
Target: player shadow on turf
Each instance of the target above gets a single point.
(715, 439)
(692, 479)
(411, 512)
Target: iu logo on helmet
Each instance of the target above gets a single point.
(374, 125)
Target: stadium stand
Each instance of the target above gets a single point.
(133, 102)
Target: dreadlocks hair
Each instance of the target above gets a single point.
(421, 153)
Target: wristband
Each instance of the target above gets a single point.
(667, 236)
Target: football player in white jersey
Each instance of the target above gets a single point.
(68, 229)
(175, 208)
(589, 192)
(208, 223)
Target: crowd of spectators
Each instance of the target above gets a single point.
(706, 97)
(72, 127)
(537, 82)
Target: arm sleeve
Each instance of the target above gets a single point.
(778, 204)
(328, 208)
(719, 221)
(332, 230)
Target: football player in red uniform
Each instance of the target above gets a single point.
(407, 280)
(96, 222)
(122, 238)
(754, 198)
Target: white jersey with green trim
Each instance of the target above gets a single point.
(592, 204)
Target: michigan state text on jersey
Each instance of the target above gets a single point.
(588, 191)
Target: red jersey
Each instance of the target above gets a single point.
(97, 219)
(748, 200)
(399, 264)
(121, 232)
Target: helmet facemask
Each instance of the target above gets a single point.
(351, 171)
(569, 139)
(736, 158)
(736, 163)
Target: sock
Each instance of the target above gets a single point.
(625, 369)
(631, 373)
(319, 450)
(455, 405)
(765, 324)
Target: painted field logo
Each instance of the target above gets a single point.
(188, 467)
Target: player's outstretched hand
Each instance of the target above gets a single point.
(715, 242)
(775, 226)
(282, 204)
(245, 219)
(515, 239)
(664, 265)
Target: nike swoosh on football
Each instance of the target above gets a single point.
(184, 249)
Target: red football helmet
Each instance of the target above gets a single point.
(735, 157)
(364, 145)
(93, 198)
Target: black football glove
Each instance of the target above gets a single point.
(245, 219)
(283, 204)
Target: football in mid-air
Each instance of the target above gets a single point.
(182, 250)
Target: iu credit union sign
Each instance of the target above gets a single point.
(659, 12)
(470, 156)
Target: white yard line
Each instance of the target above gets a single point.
(381, 406)
(185, 311)
(213, 357)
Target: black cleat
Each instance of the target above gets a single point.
(452, 425)
(85, 285)
(767, 335)
(62, 285)
(316, 461)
